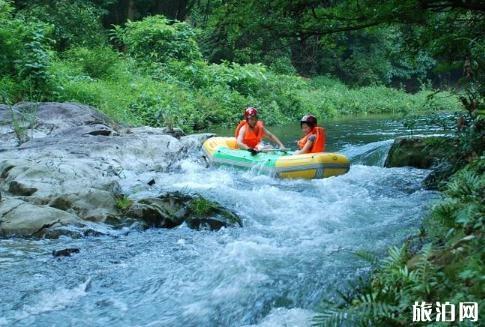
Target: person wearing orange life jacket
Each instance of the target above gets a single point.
(314, 139)
(251, 131)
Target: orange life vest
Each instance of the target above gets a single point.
(253, 136)
(318, 144)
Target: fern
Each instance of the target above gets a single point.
(367, 256)
(330, 318)
(465, 184)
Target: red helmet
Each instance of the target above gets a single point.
(250, 112)
(310, 120)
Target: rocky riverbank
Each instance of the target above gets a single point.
(62, 167)
(66, 168)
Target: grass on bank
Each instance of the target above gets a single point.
(198, 95)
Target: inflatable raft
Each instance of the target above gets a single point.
(223, 151)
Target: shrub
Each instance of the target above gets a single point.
(98, 62)
(156, 39)
(76, 23)
(24, 55)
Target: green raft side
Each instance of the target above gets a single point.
(242, 158)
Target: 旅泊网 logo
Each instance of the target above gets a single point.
(445, 312)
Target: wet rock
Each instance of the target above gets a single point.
(65, 252)
(21, 218)
(439, 175)
(61, 203)
(71, 169)
(420, 151)
(17, 188)
(194, 141)
(172, 209)
(152, 212)
(205, 214)
(92, 204)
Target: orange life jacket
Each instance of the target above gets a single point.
(318, 144)
(253, 136)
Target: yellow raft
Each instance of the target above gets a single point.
(224, 151)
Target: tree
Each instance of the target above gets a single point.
(445, 29)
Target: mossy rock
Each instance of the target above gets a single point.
(203, 213)
(172, 209)
(420, 151)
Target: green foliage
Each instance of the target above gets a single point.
(372, 57)
(449, 267)
(34, 64)
(162, 80)
(112, 95)
(156, 39)
(330, 98)
(6, 9)
(76, 23)
(97, 62)
(201, 207)
(123, 203)
(24, 56)
(22, 121)
(197, 95)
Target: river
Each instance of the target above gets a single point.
(296, 247)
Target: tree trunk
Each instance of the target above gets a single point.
(130, 10)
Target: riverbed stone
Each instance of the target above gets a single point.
(17, 188)
(174, 208)
(420, 151)
(21, 218)
(153, 214)
(74, 163)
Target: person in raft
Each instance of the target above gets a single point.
(314, 139)
(251, 131)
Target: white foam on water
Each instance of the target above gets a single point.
(280, 317)
(54, 301)
(373, 153)
(295, 245)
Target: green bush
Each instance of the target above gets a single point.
(112, 96)
(327, 97)
(282, 65)
(25, 55)
(76, 23)
(163, 79)
(196, 95)
(98, 62)
(156, 39)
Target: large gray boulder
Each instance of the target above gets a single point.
(70, 162)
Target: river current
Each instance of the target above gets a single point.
(297, 246)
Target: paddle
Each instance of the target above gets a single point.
(255, 152)
(276, 150)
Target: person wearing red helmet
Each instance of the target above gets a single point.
(251, 131)
(314, 139)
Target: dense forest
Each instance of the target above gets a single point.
(167, 62)
(197, 63)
